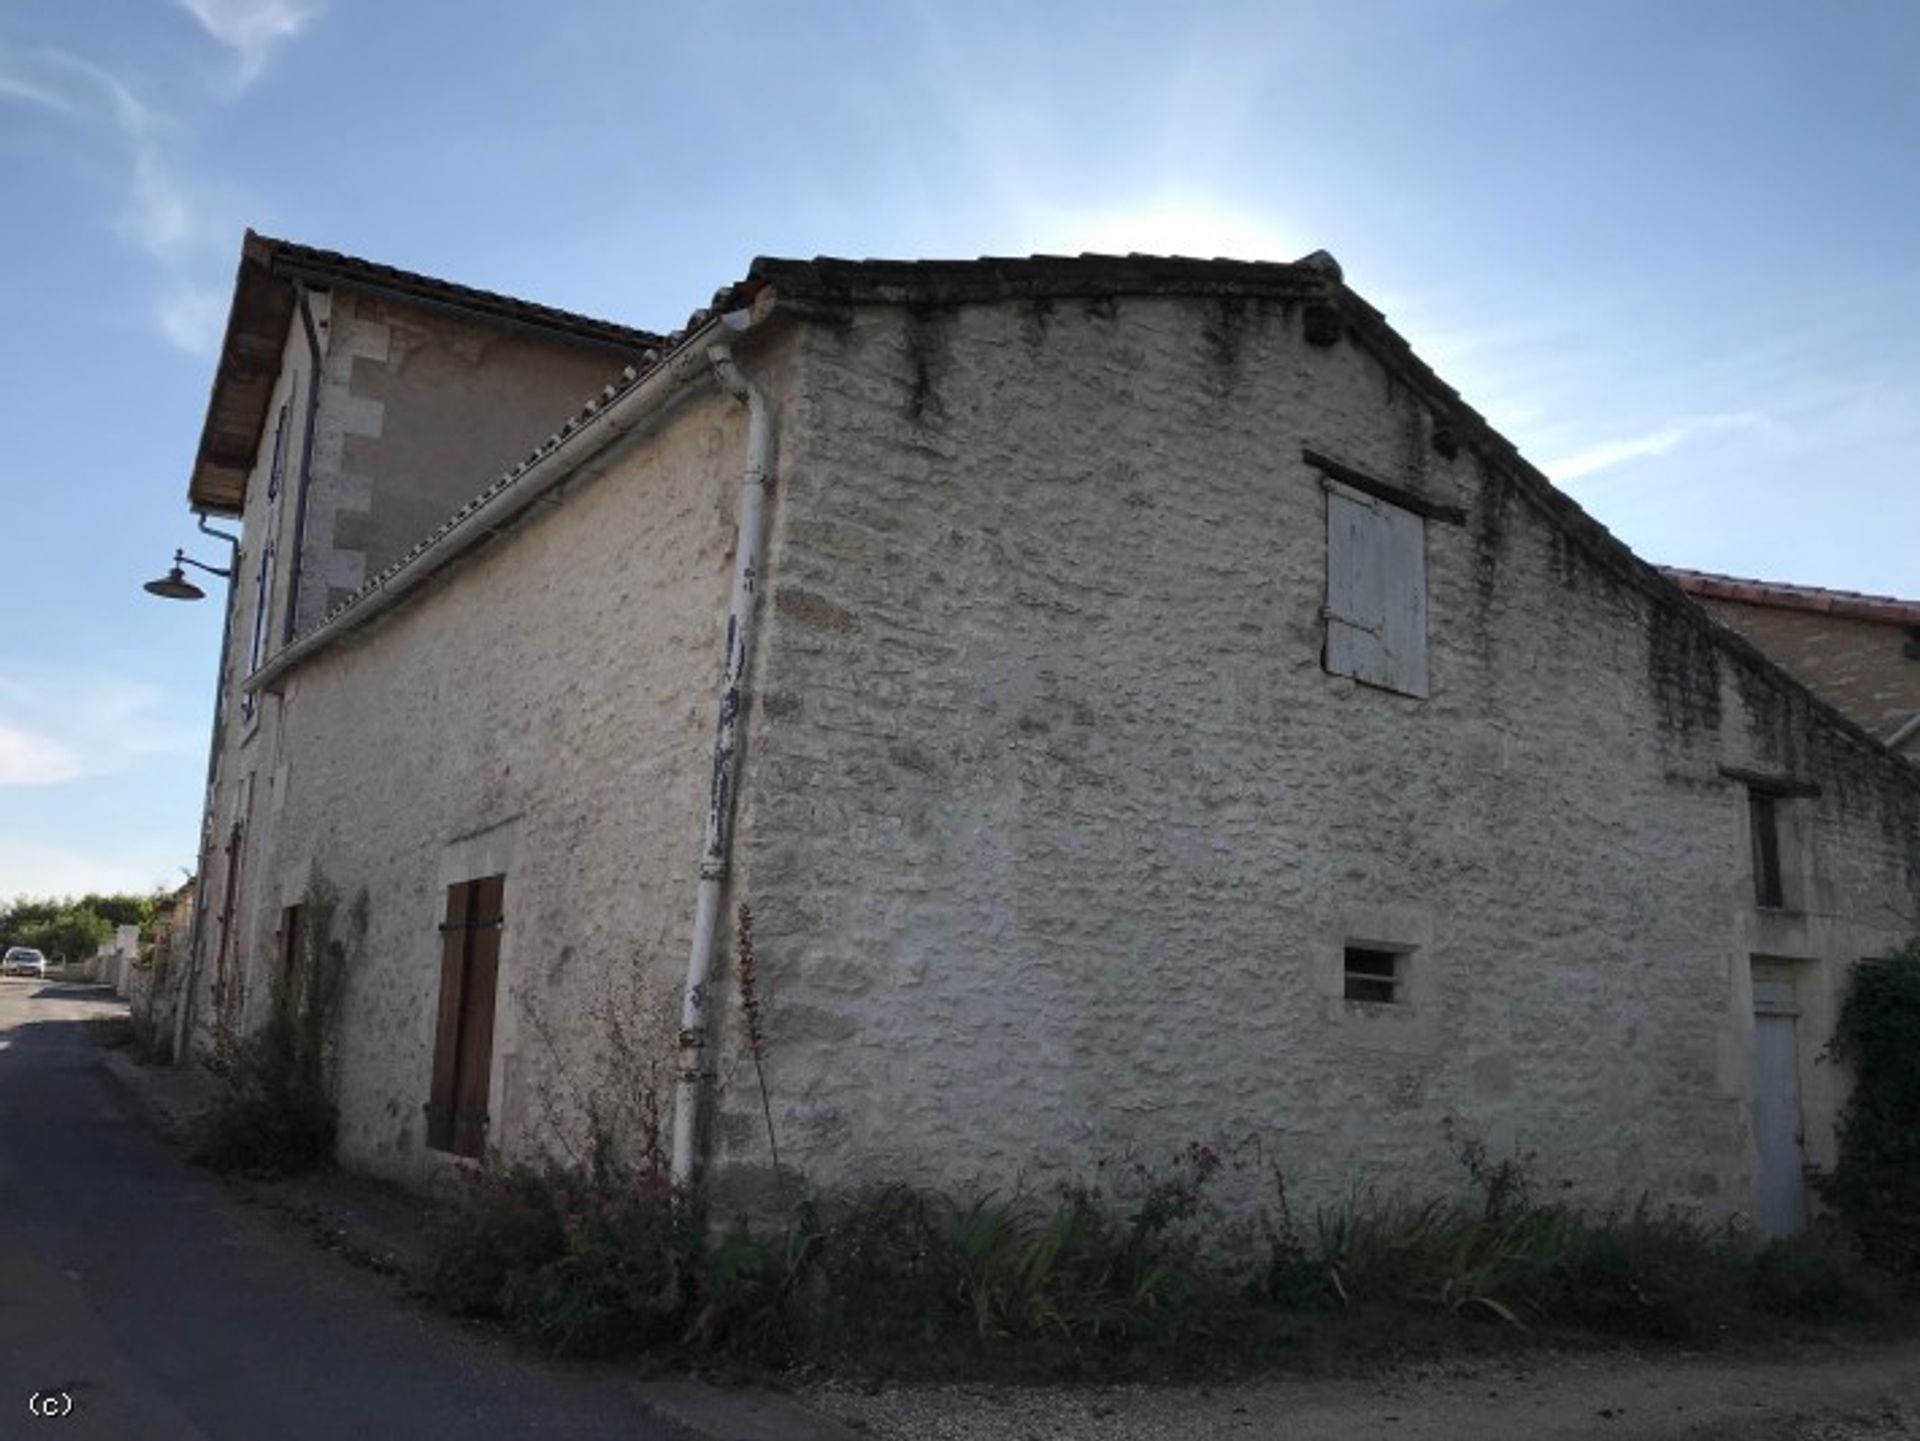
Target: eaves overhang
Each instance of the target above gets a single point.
(243, 383)
(252, 348)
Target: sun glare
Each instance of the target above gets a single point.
(1163, 225)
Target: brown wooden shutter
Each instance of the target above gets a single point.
(476, 1026)
(446, 1037)
(463, 1034)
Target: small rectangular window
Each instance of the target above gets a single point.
(1763, 815)
(1373, 975)
(1376, 592)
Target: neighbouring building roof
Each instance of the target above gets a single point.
(1853, 604)
(255, 339)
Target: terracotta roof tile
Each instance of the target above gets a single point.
(1853, 604)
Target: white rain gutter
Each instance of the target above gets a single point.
(601, 425)
(696, 1004)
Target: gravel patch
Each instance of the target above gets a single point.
(1857, 1395)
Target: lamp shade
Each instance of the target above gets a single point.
(174, 585)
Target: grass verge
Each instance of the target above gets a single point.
(600, 1259)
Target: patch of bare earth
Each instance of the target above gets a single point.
(1807, 1394)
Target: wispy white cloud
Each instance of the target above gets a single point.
(249, 28)
(25, 91)
(134, 118)
(28, 758)
(158, 218)
(183, 224)
(192, 316)
(1608, 454)
(62, 726)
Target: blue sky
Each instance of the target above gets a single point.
(1671, 249)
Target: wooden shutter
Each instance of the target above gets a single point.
(1376, 592)
(463, 1033)
(446, 1036)
(476, 1022)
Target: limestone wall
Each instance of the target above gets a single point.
(1057, 829)
(545, 711)
(421, 410)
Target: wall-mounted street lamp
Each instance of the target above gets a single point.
(174, 585)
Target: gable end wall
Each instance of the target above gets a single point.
(1056, 827)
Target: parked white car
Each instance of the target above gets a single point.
(23, 961)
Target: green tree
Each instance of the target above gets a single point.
(27, 912)
(124, 910)
(74, 929)
(70, 935)
(1875, 1186)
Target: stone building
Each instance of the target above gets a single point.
(352, 405)
(1860, 653)
(1152, 707)
(154, 986)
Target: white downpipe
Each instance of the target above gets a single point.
(696, 1007)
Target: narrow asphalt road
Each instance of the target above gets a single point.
(169, 1310)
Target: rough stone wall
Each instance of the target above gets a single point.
(1868, 669)
(1056, 828)
(226, 898)
(167, 968)
(421, 409)
(544, 710)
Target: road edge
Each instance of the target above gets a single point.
(698, 1410)
(170, 1105)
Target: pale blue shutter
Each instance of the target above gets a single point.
(1376, 592)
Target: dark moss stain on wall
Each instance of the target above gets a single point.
(1683, 669)
(1900, 823)
(1104, 307)
(1771, 725)
(1568, 567)
(1223, 332)
(1793, 737)
(1492, 523)
(929, 358)
(1035, 320)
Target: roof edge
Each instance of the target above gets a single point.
(254, 340)
(1370, 326)
(810, 289)
(1782, 595)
